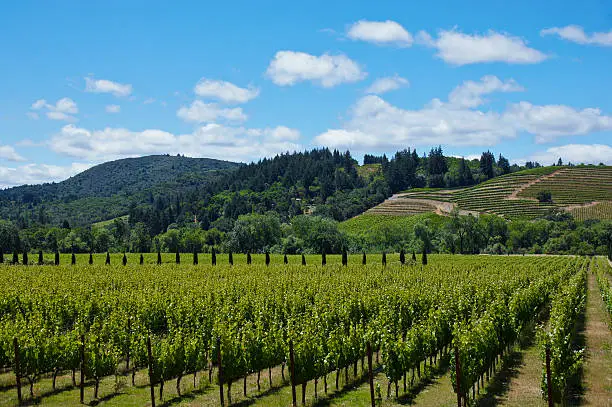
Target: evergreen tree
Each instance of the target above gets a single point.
(230, 257)
(141, 259)
(384, 259)
(267, 259)
(303, 260)
(15, 257)
(424, 258)
(40, 258)
(90, 258)
(323, 258)
(73, 259)
(487, 161)
(503, 164)
(159, 259)
(344, 258)
(1, 256)
(107, 258)
(413, 256)
(402, 256)
(57, 258)
(249, 260)
(25, 258)
(177, 257)
(364, 260)
(213, 257)
(465, 173)
(124, 259)
(285, 259)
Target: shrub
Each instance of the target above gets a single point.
(544, 196)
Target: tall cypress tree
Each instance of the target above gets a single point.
(424, 257)
(384, 258)
(141, 259)
(267, 259)
(73, 259)
(230, 258)
(107, 262)
(15, 257)
(285, 259)
(124, 259)
(1, 256)
(323, 258)
(57, 258)
(303, 260)
(178, 257)
(25, 258)
(195, 257)
(364, 259)
(402, 257)
(159, 259)
(344, 258)
(90, 258)
(249, 260)
(40, 258)
(413, 256)
(214, 257)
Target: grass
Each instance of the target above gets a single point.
(375, 223)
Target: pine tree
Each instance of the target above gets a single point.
(73, 259)
(413, 256)
(323, 258)
(364, 260)
(230, 258)
(90, 258)
(384, 259)
(195, 257)
(141, 259)
(267, 259)
(25, 258)
(1, 256)
(402, 257)
(424, 258)
(15, 257)
(303, 260)
(178, 257)
(344, 258)
(285, 259)
(57, 258)
(124, 259)
(40, 258)
(213, 257)
(159, 259)
(249, 260)
(107, 262)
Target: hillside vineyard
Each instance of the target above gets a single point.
(99, 319)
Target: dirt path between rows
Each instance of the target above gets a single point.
(514, 194)
(585, 205)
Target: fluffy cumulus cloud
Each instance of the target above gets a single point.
(470, 93)
(575, 153)
(113, 109)
(380, 32)
(224, 91)
(290, 67)
(9, 153)
(106, 86)
(201, 112)
(209, 140)
(576, 34)
(63, 109)
(458, 48)
(376, 125)
(38, 173)
(384, 85)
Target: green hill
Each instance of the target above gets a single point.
(584, 191)
(107, 190)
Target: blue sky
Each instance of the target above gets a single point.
(86, 82)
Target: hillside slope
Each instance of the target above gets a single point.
(100, 192)
(584, 191)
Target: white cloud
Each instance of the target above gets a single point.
(113, 109)
(469, 94)
(289, 67)
(383, 85)
(106, 86)
(380, 32)
(576, 34)
(38, 173)
(33, 115)
(200, 112)
(376, 125)
(9, 153)
(225, 91)
(209, 140)
(148, 101)
(457, 48)
(63, 109)
(575, 153)
(552, 121)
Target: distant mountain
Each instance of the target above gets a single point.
(106, 190)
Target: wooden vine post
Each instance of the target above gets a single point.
(82, 369)
(151, 384)
(292, 372)
(219, 364)
(370, 374)
(17, 370)
(458, 376)
(549, 378)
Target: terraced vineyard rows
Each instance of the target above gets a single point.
(253, 314)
